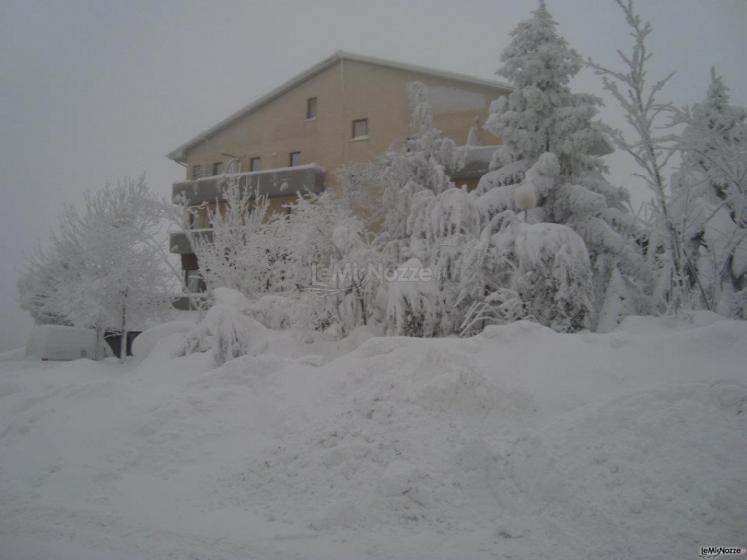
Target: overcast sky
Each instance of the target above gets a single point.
(94, 90)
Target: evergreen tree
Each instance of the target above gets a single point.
(550, 154)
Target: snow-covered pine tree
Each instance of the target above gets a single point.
(551, 147)
(709, 199)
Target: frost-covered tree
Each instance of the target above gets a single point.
(36, 287)
(431, 227)
(108, 262)
(709, 200)
(651, 150)
(549, 163)
(362, 190)
(120, 278)
(239, 250)
(331, 263)
(541, 114)
(420, 163)
(275, 259)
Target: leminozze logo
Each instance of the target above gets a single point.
(716, 551)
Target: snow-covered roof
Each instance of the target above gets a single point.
(179, 154)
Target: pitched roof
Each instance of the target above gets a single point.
(179, 154)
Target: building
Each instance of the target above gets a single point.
(347, 108)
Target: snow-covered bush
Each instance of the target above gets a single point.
(273, 311)
(442, 227)
(412, 308)
(548, 268)
(329, 263)
(553, 276)
(226, 330)
(497, 308)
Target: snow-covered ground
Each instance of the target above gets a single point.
(516, 443)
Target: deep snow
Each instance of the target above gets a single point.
(516, 443)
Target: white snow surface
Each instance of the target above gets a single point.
(517, 443)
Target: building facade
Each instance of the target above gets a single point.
(346, 109)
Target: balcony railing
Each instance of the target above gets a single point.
(271, 182)
(179, 243)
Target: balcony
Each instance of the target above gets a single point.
(179, 243)
(271, 182)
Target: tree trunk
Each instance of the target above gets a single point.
(123, 330)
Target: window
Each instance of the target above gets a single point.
(294, 159)
(311, 108)
(360, 128)
(255, 164)
(217, 168)
(197, 171)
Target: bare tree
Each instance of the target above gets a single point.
(650, 149)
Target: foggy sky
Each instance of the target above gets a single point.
(94, 90)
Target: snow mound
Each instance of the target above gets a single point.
(226, 330)
(515, 330)
(147, 340)
(519, 441)
(232, 298)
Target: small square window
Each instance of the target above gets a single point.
(294, 159)
(218, 168)
(311, 108)
(255, 164)
(197, 171)
(360, 128)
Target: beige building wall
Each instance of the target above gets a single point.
(280, 127)
(345, 91)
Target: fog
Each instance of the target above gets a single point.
(91, 91)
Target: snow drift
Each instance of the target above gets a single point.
(517, 442)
